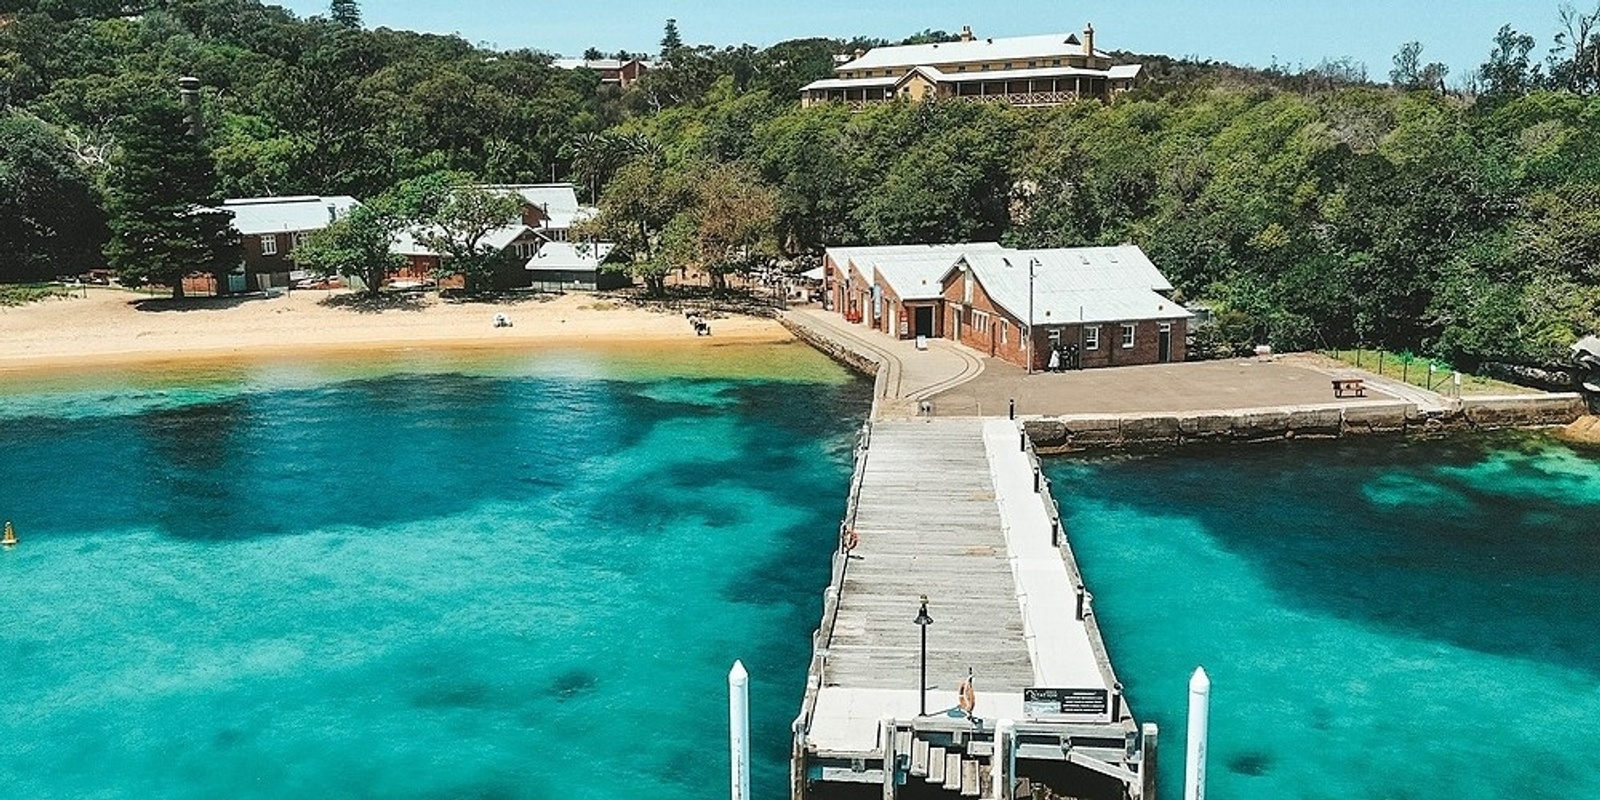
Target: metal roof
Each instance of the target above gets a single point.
(850, 83)
(914, 276)
(940, 76)
(1073, 284)
(867, 253)
(559, 201)
(569, 256)
(1053, 45)
(406, 243)
(254, 216)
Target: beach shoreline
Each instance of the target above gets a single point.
(115, 328)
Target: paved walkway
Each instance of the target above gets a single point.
(947, 511)
(958, 381)
(910, 375)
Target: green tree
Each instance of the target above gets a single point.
(157, 191)
(646, 213)
(734, 214)
(671, 41)
(50, 217)
(357, 246)
(455, 218)
(1508, 72)
(345, 12)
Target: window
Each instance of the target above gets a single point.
(985, 67)
(1007, 66)
(1057, 63)
(1032, 64)
(961, 68)
(1091, 337)
(269, 244)
(966, 288)
(1005, 332)
(299, 238)
(1127, 335)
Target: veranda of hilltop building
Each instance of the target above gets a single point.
(1025, 71)
(612, 71)
(1081, 307)
(271, 229)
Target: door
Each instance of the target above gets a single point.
(1165, 340)
(925, 321)
(992, 328)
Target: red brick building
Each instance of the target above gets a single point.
(1082, 307)
(270, 228)
(895, 288)
(1088, 306)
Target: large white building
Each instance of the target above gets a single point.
(1025, 71)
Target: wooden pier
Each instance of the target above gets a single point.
(958, 511)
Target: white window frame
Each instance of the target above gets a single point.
(966, 290)
(1091, 337)
(1129, 331)
(269, 244)
(1005, 332)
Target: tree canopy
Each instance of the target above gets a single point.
(1446, 213)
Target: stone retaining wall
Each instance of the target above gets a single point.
(1078, 432)
(850, 358)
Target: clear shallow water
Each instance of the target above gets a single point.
(514, 578)
(1379, 619)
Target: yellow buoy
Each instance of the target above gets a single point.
(9, 539)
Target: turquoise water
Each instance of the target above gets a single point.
(521, 580)
(1379, 619)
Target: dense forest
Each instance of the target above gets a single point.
(1308, 207)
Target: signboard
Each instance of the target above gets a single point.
(1043, 702)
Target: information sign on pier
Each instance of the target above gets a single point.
(1043, 702)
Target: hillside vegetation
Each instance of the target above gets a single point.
(1311, 208)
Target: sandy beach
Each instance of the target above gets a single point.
(114, 326)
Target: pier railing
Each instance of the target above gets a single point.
(822, 638)
(1058, 538)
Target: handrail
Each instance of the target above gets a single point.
(1097, 643)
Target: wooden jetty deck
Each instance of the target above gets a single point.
(956, 509)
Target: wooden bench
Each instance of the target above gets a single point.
(1352, 385)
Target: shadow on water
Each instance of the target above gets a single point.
(1465, 540)
(368, 453)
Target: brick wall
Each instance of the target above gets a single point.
(987, 328)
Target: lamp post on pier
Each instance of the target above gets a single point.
(1033, 264)
(923, 621)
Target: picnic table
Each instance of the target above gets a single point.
(1354, 386)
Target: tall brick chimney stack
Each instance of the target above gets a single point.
(189, 94)
(1088, 40)
(966, 33)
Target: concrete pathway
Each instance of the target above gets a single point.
(909, 375)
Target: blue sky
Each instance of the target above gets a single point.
(1253, 32)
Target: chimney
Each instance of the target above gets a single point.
(966, 33)
(189, 94)
(859, 53)
(1088, 40)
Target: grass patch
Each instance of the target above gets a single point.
(21, 294)
(1414, 370)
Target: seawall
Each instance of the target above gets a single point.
(1085, 432)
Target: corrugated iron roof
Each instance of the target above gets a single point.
(253, 216)
(569, 256)
(1088, 284)
(1052, 45)
(406, 243)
